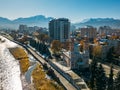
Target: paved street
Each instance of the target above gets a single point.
(66, 83)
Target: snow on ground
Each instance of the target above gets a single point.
(9, 68)
(8, 43)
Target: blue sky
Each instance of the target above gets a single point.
(75, 10)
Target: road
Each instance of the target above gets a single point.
(65, 82)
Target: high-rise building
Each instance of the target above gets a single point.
(105, 30)
(90, 31)
(23, 28)
(59, 29)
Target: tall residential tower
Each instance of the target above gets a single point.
(59, 29)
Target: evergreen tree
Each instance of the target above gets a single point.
(117, 82)
(110, 54)
(93, 68)
(36, 46)
(40, 47)
(100, 78)
(92, 81)
(48, 52)
(110, 79)
(45, 49)
(32, 43)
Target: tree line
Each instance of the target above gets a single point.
(99, 80)
(40, 47)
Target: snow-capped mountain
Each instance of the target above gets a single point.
(97, 22)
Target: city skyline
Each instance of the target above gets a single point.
(75, 10)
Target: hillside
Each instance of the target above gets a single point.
(97, 22)
(42, 21)
(38, 20)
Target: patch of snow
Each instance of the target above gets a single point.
(9, 67)
(31, 58)
(8, 43)
(29, 73)
(48, 77)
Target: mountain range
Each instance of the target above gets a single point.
(38, 20)
(97, 22)
(42, 21)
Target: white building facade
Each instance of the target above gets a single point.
(76, 59)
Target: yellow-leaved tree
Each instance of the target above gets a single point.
(81, 45)
(21, 55)
(56, 46)
(97, 51)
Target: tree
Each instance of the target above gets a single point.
(46, 38)
(110, 54)
(32, 42)
(45, 66)
(48, 51)
(43, 37)
(117, 82)
(95, 41)
(110, 79)
(56, 46)
(40, 47)
(97, 51)
(100, 78)
(37, 46)
(117, 50)
(66, 45)
(81, 45)
(93, 68)
(91, 50)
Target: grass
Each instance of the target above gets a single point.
(41, 83)
(38, 75)
(21, 55)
